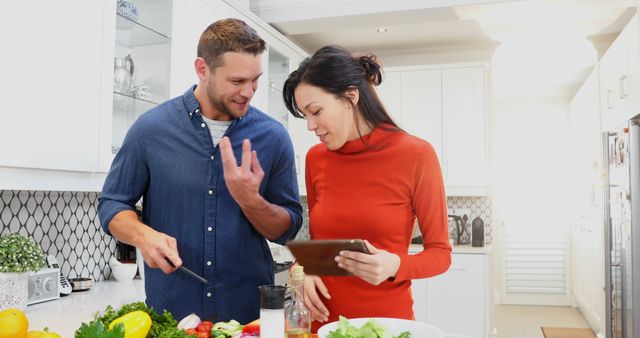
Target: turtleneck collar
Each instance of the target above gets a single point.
(378, 138)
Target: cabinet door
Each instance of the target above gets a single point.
(463, 127)
(608, 97)
(191, 18)
(422, 106)
(51, 81)
(390, 93)
(457, 299)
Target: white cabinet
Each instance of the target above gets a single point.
(458, 301)
(619, 72)
(61, 120)
(140, 68)
(463, 129)
(51, 68)
(587, 231)
(444, 105)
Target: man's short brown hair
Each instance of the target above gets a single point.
(228, 35)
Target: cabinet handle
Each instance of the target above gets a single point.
(459, 268)
(624, 89)
(609, 105)
(297, 164)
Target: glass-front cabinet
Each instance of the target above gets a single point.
(142, 62)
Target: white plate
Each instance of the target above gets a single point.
(394, 325)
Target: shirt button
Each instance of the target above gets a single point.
(210, 192)
(209, 263)
(203, 125)
(212, 157)
(209, 228)
(197, 110)
(209, 294)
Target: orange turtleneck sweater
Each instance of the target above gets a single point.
(375, 191)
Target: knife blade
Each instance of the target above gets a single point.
(189, 272)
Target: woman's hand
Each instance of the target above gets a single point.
(313, 284)
(374, 268)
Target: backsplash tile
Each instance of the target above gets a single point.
(65, 224)
(478, 207)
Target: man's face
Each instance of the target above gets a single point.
(231, 86)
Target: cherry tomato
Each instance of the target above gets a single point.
(204, 326)
(204, 335)
(191, 332)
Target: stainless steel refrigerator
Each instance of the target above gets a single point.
(622, 230)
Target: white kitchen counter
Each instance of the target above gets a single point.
(456, 249)
(64, 315)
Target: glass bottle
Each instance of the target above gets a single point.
(297, 316)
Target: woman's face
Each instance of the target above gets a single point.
(331, 118)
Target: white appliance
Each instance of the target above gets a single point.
(43, 285)
(622, 230)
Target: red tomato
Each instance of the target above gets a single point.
(204, 334)
(191, 332)
(205, 326)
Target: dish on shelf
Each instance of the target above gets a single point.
(127, 10)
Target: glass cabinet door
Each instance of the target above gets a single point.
(278, 73)
(142, 61)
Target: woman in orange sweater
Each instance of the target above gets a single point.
(366, 179)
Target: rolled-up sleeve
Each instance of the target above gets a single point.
(127, 179)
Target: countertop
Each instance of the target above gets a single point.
(457, 249)
(65, 315)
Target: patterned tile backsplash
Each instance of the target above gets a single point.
(66, 225)
(477, 206)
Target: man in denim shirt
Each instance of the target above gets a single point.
(217, 177)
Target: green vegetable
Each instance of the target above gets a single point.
(96, 329)
(19, 253)
(371, 329)
(218, 334)
(230, 328)
(164, 325)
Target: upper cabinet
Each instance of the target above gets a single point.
(619, 73)
(51, 68)
(445, 105)
(72, 91)
(141, 30)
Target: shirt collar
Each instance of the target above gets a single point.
(193, 106)
(190, 102)
(378, 138)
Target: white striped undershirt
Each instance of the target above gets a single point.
(216, 129)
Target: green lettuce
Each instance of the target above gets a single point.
(371, 329)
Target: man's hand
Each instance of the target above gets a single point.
(156, 247)
(242, 181)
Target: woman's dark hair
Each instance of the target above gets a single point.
(335, 70)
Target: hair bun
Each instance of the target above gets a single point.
(371, 68)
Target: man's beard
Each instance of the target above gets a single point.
(220, 105)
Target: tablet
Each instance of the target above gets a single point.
(318, 256)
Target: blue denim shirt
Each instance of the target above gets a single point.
(168, 158)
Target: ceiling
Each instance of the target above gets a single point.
(551, 43)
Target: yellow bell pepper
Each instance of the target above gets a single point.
(136, 324)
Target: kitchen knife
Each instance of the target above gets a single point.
(189, 272)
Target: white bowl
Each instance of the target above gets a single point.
(124, 272)
(394, 325)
